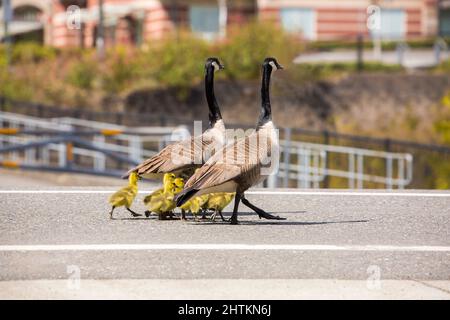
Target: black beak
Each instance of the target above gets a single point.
(221, 67)
(279, 66)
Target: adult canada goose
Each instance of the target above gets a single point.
(239, 165)
(186, 155)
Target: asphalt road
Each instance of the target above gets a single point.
(328, 236)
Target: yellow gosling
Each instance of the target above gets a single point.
(157, 201)
(169, 204)
(178, 185)
(167, 181)
(218, 202)
(194, 205)
(125, 196)
(161, 201)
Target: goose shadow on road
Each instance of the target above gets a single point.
(277, 222)
(252, 222)
(280, 222)
(154, 217)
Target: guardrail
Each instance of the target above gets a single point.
(307, 165)
(83, 146)
(76, 145)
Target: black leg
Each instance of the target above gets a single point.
(183, 214)
(221, 215)
(261, 213)
(134, 214)
(111, 212)
(148, 213)
(237, 199)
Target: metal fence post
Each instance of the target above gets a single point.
(62, 160)
(401, 173)
(315, 172)
(287, 156)
(388, 164)
(351, 170)
(326, 140)
(360, 168)
(272, 181)
(135, 148)
(299, 167)
(306, 158)
(30, 154)
(100, 159)
(389, 172)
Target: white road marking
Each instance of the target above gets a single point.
(306, 193)
(219, 246)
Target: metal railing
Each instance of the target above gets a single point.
(306, 165)
(76, 145)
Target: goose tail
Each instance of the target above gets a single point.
(182, 197)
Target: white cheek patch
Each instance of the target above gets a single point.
(216, 66)
(273, 65)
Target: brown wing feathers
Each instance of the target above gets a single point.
(189, 154)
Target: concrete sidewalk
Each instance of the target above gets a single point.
(226, 289)
(417, 58)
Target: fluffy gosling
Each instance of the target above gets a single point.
(193, 206)
(161, 200)
(167, 180)
(218, 202)
(125, 196)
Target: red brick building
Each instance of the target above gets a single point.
(75, 22)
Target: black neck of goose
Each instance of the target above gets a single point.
(214, 111)
(266, 111)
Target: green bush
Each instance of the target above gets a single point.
(14, 88)
(31, 52)
(249, 45)
(83, 73)
(120, 70)
(176, 62)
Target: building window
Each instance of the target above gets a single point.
(299, 20)
(204, 21)
(27, 13)
(392, 24)
(444, 22)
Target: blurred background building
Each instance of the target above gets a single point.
(137, 21)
